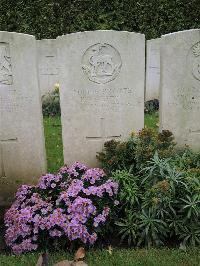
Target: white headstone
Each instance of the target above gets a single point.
(101, 90)
(47, 65)
(22, 153)
(152, 69)
(180, 86)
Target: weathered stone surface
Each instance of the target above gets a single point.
(180, 86)
(152, 69)
(47, 65)
(22, 153)
(101, 90)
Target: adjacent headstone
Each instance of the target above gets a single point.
(180, 86)
(47, 65)
(22, 153)
(101, 89)
(152, 69)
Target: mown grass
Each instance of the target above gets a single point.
(53, 140)
(151, 120)
(123, 257)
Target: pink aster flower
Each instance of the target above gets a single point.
(67, 204)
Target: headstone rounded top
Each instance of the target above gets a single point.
(19, 34)
(179, 33)
(100, 32)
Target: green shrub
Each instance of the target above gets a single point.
(158, 204)
(117, 155)
(187, 160)
(51, 103)
(151, 106)
(137, 150)
(159, 189)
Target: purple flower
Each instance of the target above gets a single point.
(92, 175)
(49, 180)
(101, 218)
(66, 211)
(55, 233)
(75, 169)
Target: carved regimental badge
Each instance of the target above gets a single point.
(5, 65)
(101, 63)
(195, 51)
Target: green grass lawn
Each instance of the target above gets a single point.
(151, 120)
(123, 257)
(53, 137)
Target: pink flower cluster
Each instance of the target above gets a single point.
(72, 204)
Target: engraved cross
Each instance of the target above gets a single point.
(102, 138)
(195, 131)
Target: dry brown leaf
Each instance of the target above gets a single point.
(80, 254)
(39, 262)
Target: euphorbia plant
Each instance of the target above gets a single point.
(71, 205)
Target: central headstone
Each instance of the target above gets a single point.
(101, 90)
(152, 69)
(22, 153)
(47, 65)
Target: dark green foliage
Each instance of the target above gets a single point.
(137, 150)
(159, 189)
(51, 104)
(151, 106)
(159, 203)
(188, 161)
(50, 18)
(117, 155)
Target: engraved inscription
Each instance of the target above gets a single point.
(191, 134)
(105, 99)
(101, 63)
(5, 65)
(187, 99)
(194, 131)
(8, 102)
